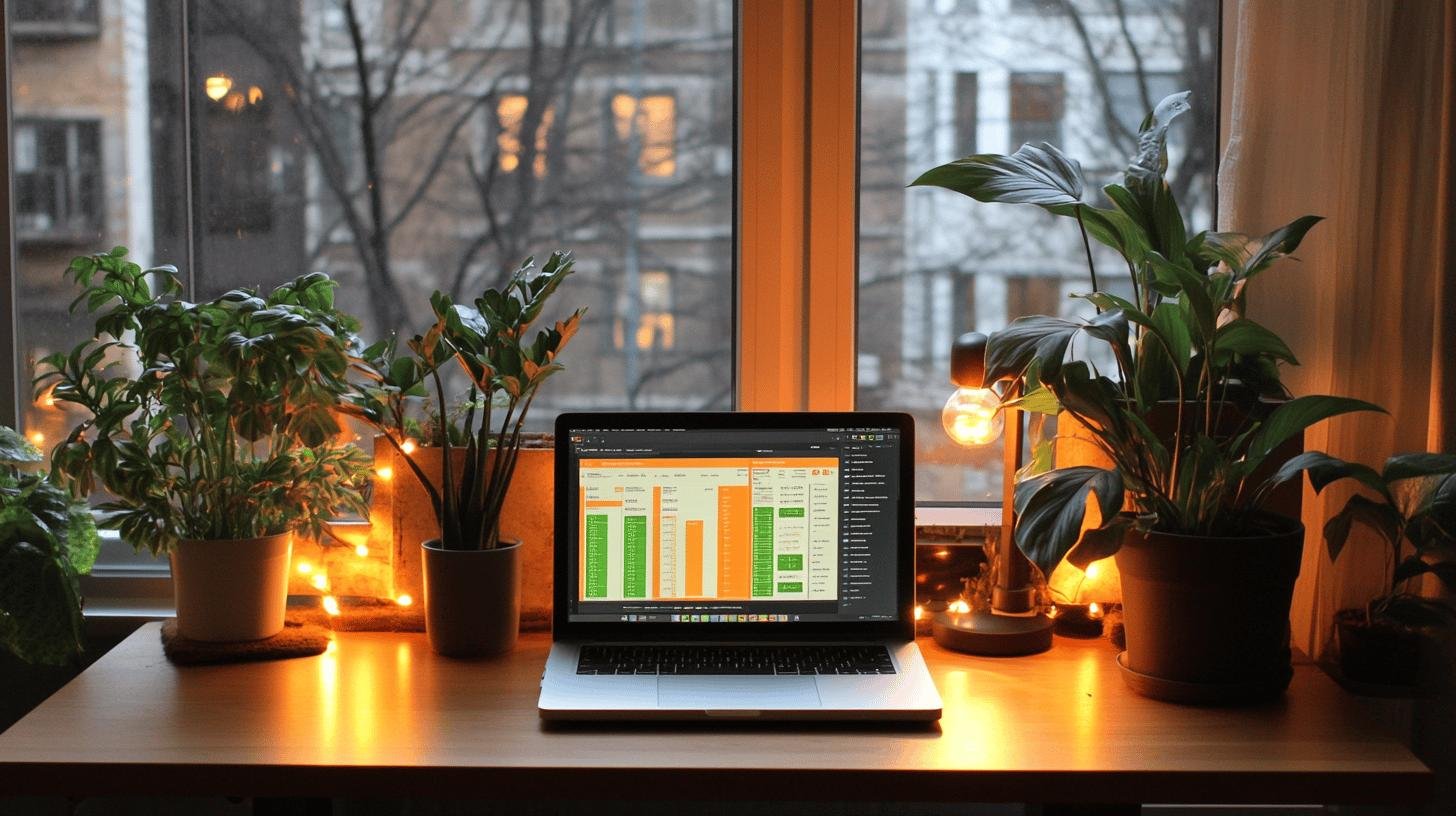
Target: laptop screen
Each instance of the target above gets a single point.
(743, 526)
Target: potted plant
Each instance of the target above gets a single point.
(471, 573)
(1414, 516)
(47, 540)
(1207, 574)
(212, 426)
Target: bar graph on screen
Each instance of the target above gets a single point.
(736, 529)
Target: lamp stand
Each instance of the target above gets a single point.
(1012, 626)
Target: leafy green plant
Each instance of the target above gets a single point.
(1414, 513)
(504, 370)
(214, 420)
(1181, 346)
(47, 540)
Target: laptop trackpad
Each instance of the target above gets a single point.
(749, 692)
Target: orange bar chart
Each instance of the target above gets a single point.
(693, 528)
(656, 541)
(735, 548)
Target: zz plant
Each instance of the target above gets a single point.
(504, 367)
(214, 420)
(1182, 343)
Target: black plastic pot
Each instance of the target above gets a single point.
(472, 599)
(1207, 619)
(1377, 653)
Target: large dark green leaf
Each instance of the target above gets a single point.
(1411, 465)
(1379, 516)
(1415, 565)
(1296, 415)
(1035, 174)
(1244, 336)
(1279, 243)
(1050, 508)
(1324, 469)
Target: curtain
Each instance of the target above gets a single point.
(1344, 108)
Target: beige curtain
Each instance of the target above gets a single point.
(1343, 108)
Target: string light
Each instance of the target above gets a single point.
(919, 612)
(385, 473)
(217, 86)
(404, 600)
(304, 568)
(1094, 610)
(362, 550)
(960, 607)
(331, 605)
(1092, 570)
(320, 581)
(408, 447)
(37, 438)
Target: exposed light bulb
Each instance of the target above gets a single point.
(36, 438)
(362, 550)
(404, 600)
(331, 605)
(320, 581)
(217, 86)
(972, 417)
(959, 607)
(385, 473)
(304, 568)
(919, 612)
(1094, 610)
(408, 447)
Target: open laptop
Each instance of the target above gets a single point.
(735, 565)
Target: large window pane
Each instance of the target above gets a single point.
(942, 79)
(401, 146)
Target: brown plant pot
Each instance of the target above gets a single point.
(231, 590)
(472, 599)
(1206, 618)
(1377, 653)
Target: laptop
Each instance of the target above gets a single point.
(735, 566)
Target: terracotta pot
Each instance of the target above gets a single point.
(472, 599)
(1379, 653)
(231, 590)
(1212, 613)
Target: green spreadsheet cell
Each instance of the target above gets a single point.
(791, 562)
(634, 556)
(596, 556)
(791, 586)
(791, 512)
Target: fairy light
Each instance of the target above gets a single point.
(1094, 610)
(305, 568)
(960, 607)
(404, 600)
(362, 550)
(320, 581)
(1093, 569)
(217, 86)
(385, 473)
(408, 447)
(331, 605)
(919, 612)
(36, 438)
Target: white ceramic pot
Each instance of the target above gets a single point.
(231, 590)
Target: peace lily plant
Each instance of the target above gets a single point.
(1183, 337)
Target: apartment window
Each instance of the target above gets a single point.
(1132, 92)
(54, 19)
(1037, 105)
(650, 121)
(58, 182)
(511, 114)
(1033, 295)
(966, 117)
(655, 326)
(962, 304)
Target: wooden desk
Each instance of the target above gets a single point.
(381, 715)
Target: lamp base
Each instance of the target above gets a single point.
(992, 635)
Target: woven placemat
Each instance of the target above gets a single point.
(298, 639)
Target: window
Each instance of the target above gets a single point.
(655, 329)
(511, 113)
(58, 182)
(243, 168)
(1036, 109)
(648, 124)
(966, 117)
(932, 264)
(54, 19)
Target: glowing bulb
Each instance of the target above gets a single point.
(404, 600)
(362, 550)
(217, 86)
(972, 416)
(255, 95)
(960, 607)
(919, 612)
(1094, 610)
(304, 568)
(1092, 570)
(36, 438)
(321, 581)
(385, 473)
(331, 605)
(408, 447)
(1052, 613)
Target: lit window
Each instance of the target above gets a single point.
(511, 114)
(656, 122)
(655, 324)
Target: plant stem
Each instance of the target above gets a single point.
(1087, 248)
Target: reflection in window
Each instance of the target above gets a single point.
(655, 118)
(511, 116)
(238, 165)
(58, 187)
(1036, 109)
(655, 324)
(54, 19)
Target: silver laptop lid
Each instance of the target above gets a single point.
(734, 526)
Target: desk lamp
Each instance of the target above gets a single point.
(1012, 626)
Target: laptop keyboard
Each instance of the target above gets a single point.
(856, 658)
